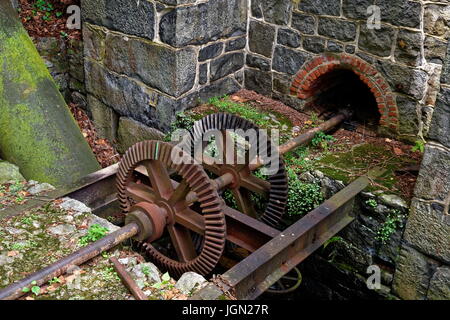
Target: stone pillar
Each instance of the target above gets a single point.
(37, 131)
(147, 60)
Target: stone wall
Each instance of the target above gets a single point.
(424, 267)
(407, 52)
(147, 60)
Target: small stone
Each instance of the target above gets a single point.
(40, 188)
(14, 231)
(73, 269)
(394, 201)
(62, 229)
(146, 271)
(190, 281)
(74, 205)
(9, 172)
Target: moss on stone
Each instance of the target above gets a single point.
(37, 131)
(347, 166)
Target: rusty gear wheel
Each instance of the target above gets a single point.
(168, 202)
(275, 188)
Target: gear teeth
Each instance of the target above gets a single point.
(278, 192)
(198, 181)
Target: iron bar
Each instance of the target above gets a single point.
(255, 274)
(137, 293)
(15, 290)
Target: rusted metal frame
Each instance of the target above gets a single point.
(14, 291)
(252, 276)
(94, 190)
(127, 280)
(242, 230)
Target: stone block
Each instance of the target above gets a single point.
(428, 228)
(158, 66)
(273, 11)
(435, 49)
(403, 13)
(258, 62)
(314, 44)
(210, 51)
(356, 9)
(378, 42)
(261, 38)
(337, 29)
(435, 164)
(412, 276)
(304, 23)
(204, 22)
(328, 8)
(440, 125)
(288, 61)
(94, 41)
(203, 73)
(258, 81)
(288, 38)
(436, 20)
(236, 44)
(131, 132)
(225, 65)
(404, 79)
(104, 118)
(130, 17)
(333, 46)
(408, 50)
(409, 117)
(440, 284)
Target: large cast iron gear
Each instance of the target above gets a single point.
(165, 200)
(276, 187)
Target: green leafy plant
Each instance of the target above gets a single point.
(302, 197)
(322, 140)
(164, 283)
(419, 146)
(95, 232)
(54, 280)
(109, 274)
(145, 270)
(372, 203)
(35, 289)
(393, 223)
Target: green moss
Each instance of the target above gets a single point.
(347, 166)
(37, 131)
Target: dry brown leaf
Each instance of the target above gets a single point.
(13, 253)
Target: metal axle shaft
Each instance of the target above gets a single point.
(15, 290)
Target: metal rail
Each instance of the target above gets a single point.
(77, 258)
(255, 274)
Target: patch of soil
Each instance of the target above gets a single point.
(104, 151)
(35, 21)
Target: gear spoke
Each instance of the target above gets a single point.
(140, 192)
(179, 194)
(182, 241)
(244, 202)
(255, 184)
(159, 178)
(191, 220)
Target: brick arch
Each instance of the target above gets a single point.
(303, 84)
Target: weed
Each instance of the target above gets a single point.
(322, 140)
(393, 223)
(54, 280)
(302, 197)
(164, 283)
(419, 146)
(372, 203)
(95, 232)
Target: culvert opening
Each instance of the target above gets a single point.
(343, 89)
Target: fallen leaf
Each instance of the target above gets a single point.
(398, 151)
(13, 253)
